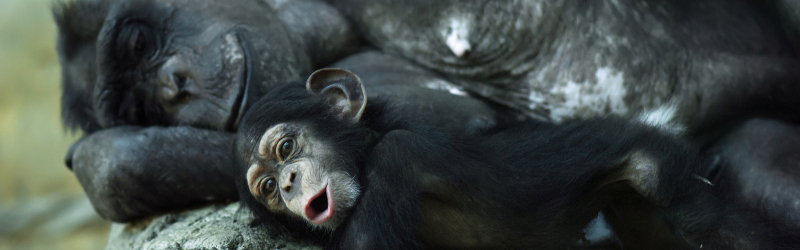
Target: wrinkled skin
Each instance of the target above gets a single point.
(692, 64)
(196, 65)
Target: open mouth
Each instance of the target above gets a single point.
(319, 208)
(237, 110)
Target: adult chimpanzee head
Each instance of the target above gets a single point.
(297, 150)
(170, 62)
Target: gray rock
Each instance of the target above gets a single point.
(51, 216)
(26, 214)
(71, 217)
(212, 227)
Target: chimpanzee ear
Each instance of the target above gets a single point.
(342, 89)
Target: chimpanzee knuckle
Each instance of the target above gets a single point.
(99, 180)
(68, 158)
(103, 170)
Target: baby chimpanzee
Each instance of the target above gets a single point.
(383, 179)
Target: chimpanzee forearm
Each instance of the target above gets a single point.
(752, 86)
(757, 165)
(326, 33)
(132, 172)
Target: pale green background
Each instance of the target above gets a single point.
(32, 140)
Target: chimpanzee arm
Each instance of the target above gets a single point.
(132, 172)
(325, 32)
(755, 86)
(386, 217)
(758, 166)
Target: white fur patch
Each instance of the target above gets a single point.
(275, 4)
(612, 86)
(597, 230)
(233, 52)
(581, 99)
(663, 118)
(456, 36)
(446, 86)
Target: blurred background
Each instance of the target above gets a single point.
(42, 205)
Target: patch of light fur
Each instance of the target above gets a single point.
(536, 98)
(232, 51)
(347, 186)
(275, 4)
(663, 118)
(609, 91)
(597, 229)
(613, 86)
(456, 36)
(446, 86)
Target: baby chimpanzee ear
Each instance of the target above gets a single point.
(343, 91)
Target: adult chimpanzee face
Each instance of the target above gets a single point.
(180, 62)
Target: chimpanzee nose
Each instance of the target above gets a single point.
(173, 77)
(288, 180)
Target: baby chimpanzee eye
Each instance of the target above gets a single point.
(269, 186)
(285, 149)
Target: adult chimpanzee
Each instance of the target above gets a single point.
(113, 54)
(191, 65)
(381, 178)
(181, 62)
(701, 67)
(133, 171)
(694, 63)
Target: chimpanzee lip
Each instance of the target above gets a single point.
(319, 217)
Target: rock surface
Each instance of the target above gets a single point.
(212, 227)
(51, 216)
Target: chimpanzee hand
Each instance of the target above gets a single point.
(132, 172)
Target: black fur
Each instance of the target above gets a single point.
(539, 183)
(293, 103)
(79, 23)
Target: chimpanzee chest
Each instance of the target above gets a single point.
(451, 219)
(444, 225)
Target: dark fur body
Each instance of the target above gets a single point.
(105, 86)
(520, 185)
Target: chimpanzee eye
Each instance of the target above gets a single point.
(269, 186)
(285, 149)
(136, 41)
